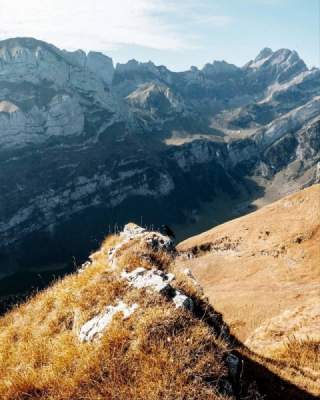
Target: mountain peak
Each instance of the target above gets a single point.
(279, 56)
(280, 65)
(23, 41)
(264, 53)
(219, 67)
(155, 96)
(134, 65)
(286, 55)
(42, 56)
(20, 46)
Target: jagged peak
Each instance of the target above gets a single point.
(280, 56)
(134, 65)
(154, 94)
(148, 67)
(264, 53)
(30, 50)
(287, 56)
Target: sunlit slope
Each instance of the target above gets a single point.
(262, 272)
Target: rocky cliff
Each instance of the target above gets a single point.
(85, 145)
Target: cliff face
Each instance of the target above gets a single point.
(85, 145)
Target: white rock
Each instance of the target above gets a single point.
(95, 327)
(131, 230)
(156, 280)
(181, 300)
(84, 266)
(291, 121)
(189, 274)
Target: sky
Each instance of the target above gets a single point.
(175, 33)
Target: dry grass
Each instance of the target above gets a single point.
(271, 268)
(295, 361)
(158, 353)
(137, 254)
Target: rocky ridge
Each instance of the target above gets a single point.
(152, 280)
(142, 319)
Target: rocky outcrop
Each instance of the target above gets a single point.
(279, 66)
(95, 327)
(159, 282)
(152, 280)
(129, 333)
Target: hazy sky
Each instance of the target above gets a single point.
(176, 33)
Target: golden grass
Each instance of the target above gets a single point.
(136, 253)
(273, 268)
(158, 353)
(299, 360)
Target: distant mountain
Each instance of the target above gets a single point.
(86, 145)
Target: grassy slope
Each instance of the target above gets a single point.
(160, 352)
(262, 273)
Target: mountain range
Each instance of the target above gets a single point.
(85, 145)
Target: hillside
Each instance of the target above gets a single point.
(124, 326)
(84, 140)
(261, 271)
(133, 322)
(130, 323)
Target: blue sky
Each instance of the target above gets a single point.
(176, 33)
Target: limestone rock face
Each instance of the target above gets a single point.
(100, 65)
(81, 140)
